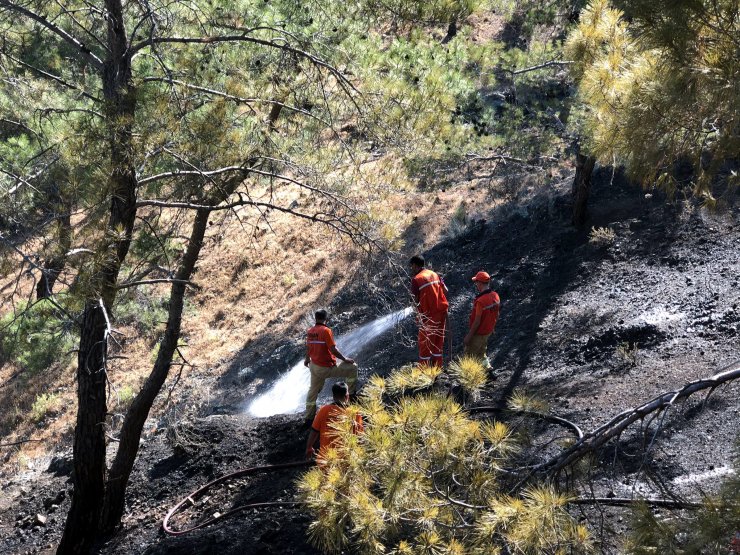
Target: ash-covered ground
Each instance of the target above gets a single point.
(590, 328)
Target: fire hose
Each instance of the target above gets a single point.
(191, 499)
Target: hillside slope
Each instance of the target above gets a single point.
(590, 328)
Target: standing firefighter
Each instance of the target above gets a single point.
(482, 318)
(431, 303)
(321, 359)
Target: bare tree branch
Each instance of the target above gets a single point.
(22, 441)
(303, 185)
(50, 76)
(340, 224)
(497, 157)
(247, 170)
(619, 423)
(88, 32)
(20, 180)
(237, 99)
(151, 281)
(18, 124)
(64, 35)
(35, 266)
(341, 78)
(187, 173)
(626, 501)
(46, 111)
(540, 66)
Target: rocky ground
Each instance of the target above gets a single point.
(592, 328)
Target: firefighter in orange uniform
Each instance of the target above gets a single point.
(323, 426)
(482, 318)
(431, 303)
(321, 359)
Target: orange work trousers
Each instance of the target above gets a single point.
(431, 338)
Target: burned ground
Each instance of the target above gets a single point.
(592, 328)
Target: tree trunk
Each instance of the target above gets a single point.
(56, 262)
(582, 187)
(83, 519)
(136, 415)
(89, 442)
(138, 412)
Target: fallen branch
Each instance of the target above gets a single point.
(11, 444)
(498, 157)
(614, 427)
(626, 501)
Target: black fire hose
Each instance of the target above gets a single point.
(534, 414)
(299, 464)
(244, 472)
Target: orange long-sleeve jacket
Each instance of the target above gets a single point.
(429, 291)
(487, 305)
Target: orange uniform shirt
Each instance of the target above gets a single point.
(320, 340)
(487, 304)
(429, 292)
(322, 423)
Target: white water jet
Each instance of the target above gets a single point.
(288, 394)
(695, 478)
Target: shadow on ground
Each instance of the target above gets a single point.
(535, 256)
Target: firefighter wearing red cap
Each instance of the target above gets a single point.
(482, 318)
(431, 303)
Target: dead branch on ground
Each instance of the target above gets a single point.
(614, 427)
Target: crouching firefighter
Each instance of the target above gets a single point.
(324, 424)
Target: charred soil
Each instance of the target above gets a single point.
(592, 324)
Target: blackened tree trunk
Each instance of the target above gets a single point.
(83, 519)
(89, 442)
(582, 187)
(138, 412)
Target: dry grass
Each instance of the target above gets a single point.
(412, 377)
(601, 236)
(470, 374)
(257, 279)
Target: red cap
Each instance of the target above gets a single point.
(482, 276)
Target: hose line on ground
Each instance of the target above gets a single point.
(534, 414)
(190, 499)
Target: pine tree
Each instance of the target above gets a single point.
(130, 109)
(658, 82)
(427, 478)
